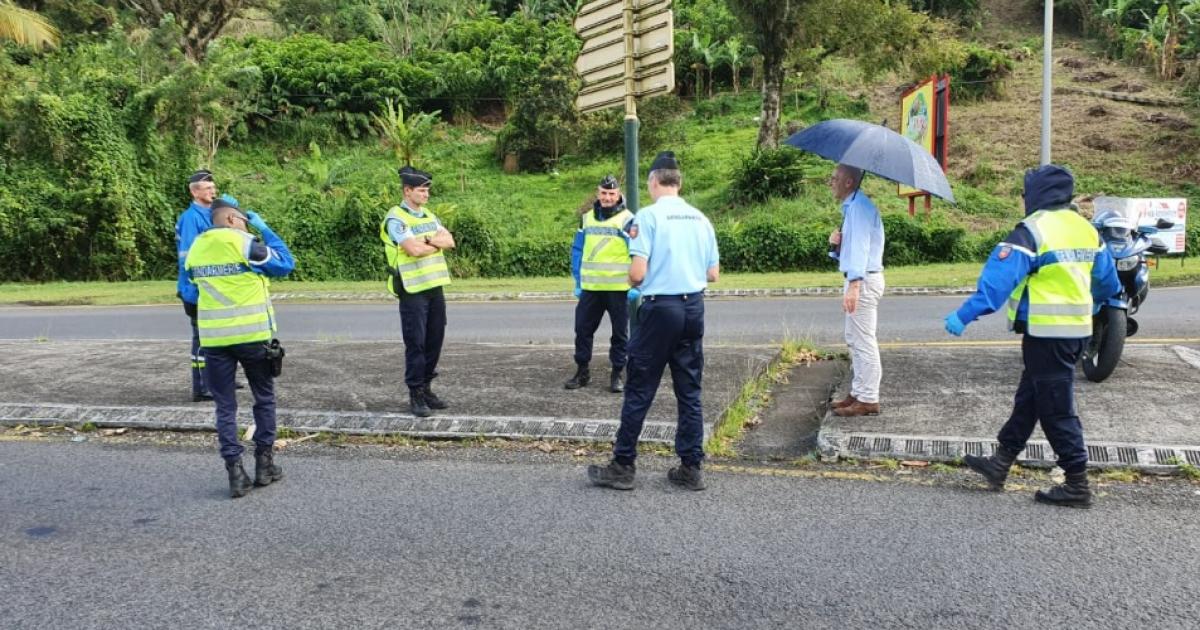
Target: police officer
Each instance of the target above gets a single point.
(190, 224)
(674, 258)
(414, 240)
(229, 268)
(1052, 272)
(600, 264)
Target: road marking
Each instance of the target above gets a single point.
(966, 344)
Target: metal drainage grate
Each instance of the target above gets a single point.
(914, 447)
(858, 443)
(973, 448)
(1164, 455)
(1097, 453)
(1193, 457)
(942, 448)
(883, 445)
(1034, 451)
(1127, 455)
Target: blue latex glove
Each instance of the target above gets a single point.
(1096, 306)
(578, 292)
(954, 325)
(633, 294)
(231, 199)
(256, 221)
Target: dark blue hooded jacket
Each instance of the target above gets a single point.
(1050, 187)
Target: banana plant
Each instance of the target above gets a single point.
(408, 135)
(26, 27)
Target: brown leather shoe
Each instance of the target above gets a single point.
(845, 402)
(858, 408)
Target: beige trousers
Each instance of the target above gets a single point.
(860, 336)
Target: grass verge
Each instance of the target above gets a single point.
(1174, 272)
(756, 395)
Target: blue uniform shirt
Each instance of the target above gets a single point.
(679, 245)
(399, 231)
(862, 237)
(1016, 257)
(191, 223)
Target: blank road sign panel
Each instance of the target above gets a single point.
(650, 82)
(602, 15)
(603, 57)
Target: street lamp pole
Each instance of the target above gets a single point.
(1047, 67)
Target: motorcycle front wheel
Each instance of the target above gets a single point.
(1104, 349)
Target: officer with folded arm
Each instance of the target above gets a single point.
(414, 241)
(1050, 273)
(229, 268)
(600, 265)
(674, 258)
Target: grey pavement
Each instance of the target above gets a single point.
(942, 402)
(1168, 313)
(352, 387)
(95, 536)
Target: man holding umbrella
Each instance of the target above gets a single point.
(860, 259)
(860, 147)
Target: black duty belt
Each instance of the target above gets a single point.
(683, 297)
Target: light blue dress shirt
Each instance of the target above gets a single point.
(862, 237)
(679, 244)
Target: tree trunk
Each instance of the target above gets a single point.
(772, 89)
(710, 82)
(737, 85)
(699, 82)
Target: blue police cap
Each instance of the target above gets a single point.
(665, 161)
(414, 177)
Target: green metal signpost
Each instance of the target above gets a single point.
(627, 50)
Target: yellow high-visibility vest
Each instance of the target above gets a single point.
(235, 303)
(605, 265)
(416, 273)
(1060, 292)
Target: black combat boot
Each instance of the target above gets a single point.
(613, 475)
(581, 379)
(1074, 493)
(417, 404)
(265, 470)
(994, 468)
(239, 481)
(431, 398)
(686, 476)
(614, 382)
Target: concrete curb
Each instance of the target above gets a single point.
(200, 418)
(541, 296)
(833, 443)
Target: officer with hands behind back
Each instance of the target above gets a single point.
(600, 265)
(1051, 273)
(414, 240)
(229, 267)
(674, 258)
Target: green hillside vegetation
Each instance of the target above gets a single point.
(103, 130)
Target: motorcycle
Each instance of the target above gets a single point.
(1130, 246)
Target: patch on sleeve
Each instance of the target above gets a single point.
(1005, 252)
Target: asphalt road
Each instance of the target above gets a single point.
(1169, 313)
(96, 536)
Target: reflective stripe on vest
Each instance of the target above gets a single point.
(416, 273)
(234, 305)
(605, 265)
(1060, 291)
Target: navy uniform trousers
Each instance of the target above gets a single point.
(669, 331)
(220, 371)
(1047, 395)
(423, 325)
(198, 386)
(588, 314)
